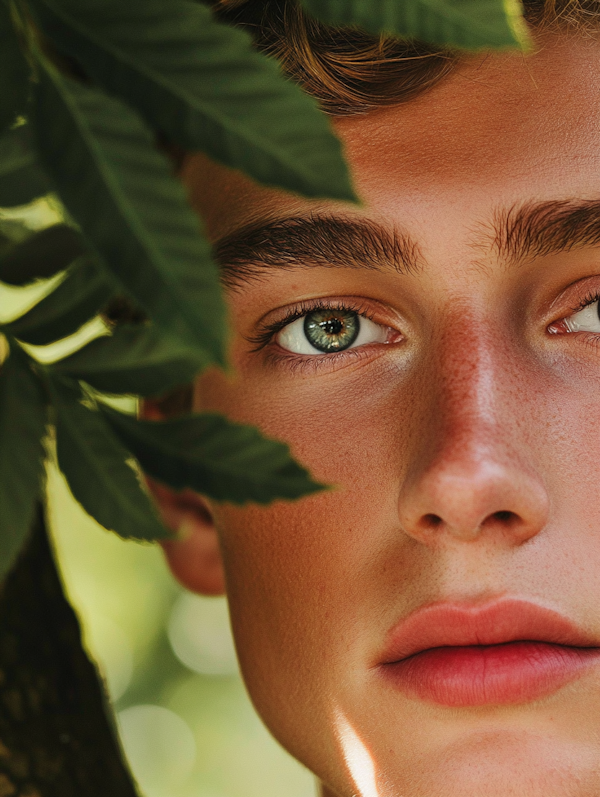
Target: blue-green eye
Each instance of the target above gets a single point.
(330, 330)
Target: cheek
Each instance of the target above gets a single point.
(348, 429)
(294, 554)
(299, 573)
(313, 585)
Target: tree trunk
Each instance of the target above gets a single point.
(56, 733)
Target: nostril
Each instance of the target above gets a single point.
(431, 521)
(505, 516)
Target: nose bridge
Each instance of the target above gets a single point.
(471, 376)
(468, 471)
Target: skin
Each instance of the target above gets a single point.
(482, 402)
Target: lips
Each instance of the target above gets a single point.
(508, 651)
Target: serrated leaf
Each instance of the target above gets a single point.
(203, 85)
(22, 427)
(14, 71)
(42, 255)
(94, 463)
(214, 456)
(470, 24)
(21, 177)
(76, 300)
(133, 210)
(135, 359)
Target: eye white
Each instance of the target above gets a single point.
(292, 337)
(586, 320)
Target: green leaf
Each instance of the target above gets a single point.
(22, 427)
(14, 71)
(42, 255)
(21, 178)
(209, 454)
(96, 467)
(203, 85)
(135, 359)
(121, 191)
(471, 24)
(77, 299)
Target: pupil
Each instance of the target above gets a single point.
(331, 330)
(332, 327)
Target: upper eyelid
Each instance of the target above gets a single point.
(353, 304)
(587, 288)
(591, 298)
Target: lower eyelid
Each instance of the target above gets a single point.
(300, 363)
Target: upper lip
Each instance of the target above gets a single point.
(444, 623)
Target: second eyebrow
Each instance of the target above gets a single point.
(537, 229)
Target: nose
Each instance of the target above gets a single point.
(471, 474)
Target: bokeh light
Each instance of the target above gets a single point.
(200, 635)
(160, 748)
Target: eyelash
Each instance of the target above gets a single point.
(590, 298)
(269, 331)
(591, 339)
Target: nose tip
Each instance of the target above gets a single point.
(467, 499)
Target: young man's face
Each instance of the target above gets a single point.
(441, 367)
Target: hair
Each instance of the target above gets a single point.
(352, 72)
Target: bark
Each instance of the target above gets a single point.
(56, 733)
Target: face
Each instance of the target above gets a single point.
(429, 626)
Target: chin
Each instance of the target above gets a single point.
(500, 764)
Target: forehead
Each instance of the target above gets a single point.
(500, 120)
(503, 129)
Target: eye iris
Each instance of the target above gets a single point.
(331, 330)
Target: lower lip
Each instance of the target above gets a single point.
(479, 675)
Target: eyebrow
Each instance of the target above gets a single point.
(515, 234)
(309, 241)
(537, 229)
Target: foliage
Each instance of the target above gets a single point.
(467, 23)
(22, 425)
(87, 88)
(13, 72)
(21, 179)
(226, 461)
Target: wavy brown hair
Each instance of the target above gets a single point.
(350, 71)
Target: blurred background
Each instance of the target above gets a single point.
(187, 726)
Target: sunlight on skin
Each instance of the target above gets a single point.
(358, 759)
